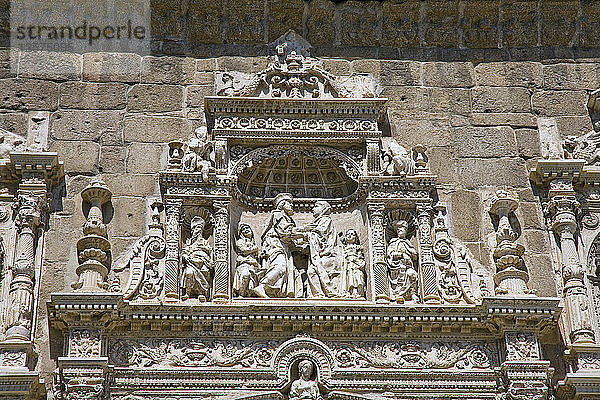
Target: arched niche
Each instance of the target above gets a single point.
(306, 172)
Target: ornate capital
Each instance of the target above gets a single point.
(29, 210)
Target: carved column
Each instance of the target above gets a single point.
(511, 273)
(93, 248)
(173, 234)
(379, 278)
(29, 208)
(221, 240)
(426, 261)
(563, 209)
(524, 374)
(373, 157)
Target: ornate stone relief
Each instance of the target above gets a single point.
(521, 346)
(84, 343)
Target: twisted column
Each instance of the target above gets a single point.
(563, 209)
(426, 261)
(221, 240)
(379, 276)
(28, 208)
(173, 233)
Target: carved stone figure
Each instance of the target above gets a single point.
(304, 388)
(196, 277)
(277, 276)
(396, 159)
(199, 155)
(323, 266)
(354, 265)
(587, 147)
(246, 263)
(402, 258)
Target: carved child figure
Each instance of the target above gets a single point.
(199, 154)
(305, 388)
(354, 265)
(401, 259)
(246, 263)
(396, 159)
(196, 277)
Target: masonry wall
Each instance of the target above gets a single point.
(467, 79)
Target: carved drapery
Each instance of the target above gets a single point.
(173, 237)
(379, 277)
(563, 209)
(29, 210)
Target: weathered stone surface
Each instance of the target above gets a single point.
(244, 64)
(400, 24)
(443, 164)
(516, 120)
(503, 100)
(155, 98)
(519, 24)
(590, 24)
(527, 74)
(480, 172)
(573, 126)
(359, 23)
(105, 126)
(532, 218)
(195, 95)
(407, 98)
(112, 159)
(50, 65)
(128, 220)
(479, 24)
(28, 94)
(536, 241)
(14, 122)
(132, 184)
(244, 21)
(98, 96)
(206, 64)
(440, 25)
(337, 67)
(540, 276)
(571, 76)
(559, 22)
(484, 142)
(442, 74)
(528, 142)
(145, 158)
(9, 62)
(170, 70)
(79, 157)
(469, 204)
(449, 101)
(399, 72)
(111, 67)
(555, 103)
(281, 19)
(320, 29)
(428, 132)
(156, 129)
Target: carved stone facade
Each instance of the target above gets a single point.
(292, 227)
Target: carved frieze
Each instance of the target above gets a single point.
(84, 343)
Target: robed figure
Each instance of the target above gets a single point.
(277, 276)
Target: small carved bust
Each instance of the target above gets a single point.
(304, 388)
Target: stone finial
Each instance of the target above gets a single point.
(93, 247)
(511, 273)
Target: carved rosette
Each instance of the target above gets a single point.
(28, 209)
(511, 273)
(93, 248)
(563, 211)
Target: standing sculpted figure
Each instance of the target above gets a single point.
(199, 155)
(196, 277)
(305, 388)
(277, 276)
(354, 265)
(323, 267)
(246, 263)
(402, 258)
(396, 159)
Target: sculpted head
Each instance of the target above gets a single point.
(197, 226)
(305, 369)
(321, 207)
(352, 236)
(401, 228)
(246, 231)
(283, 202)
